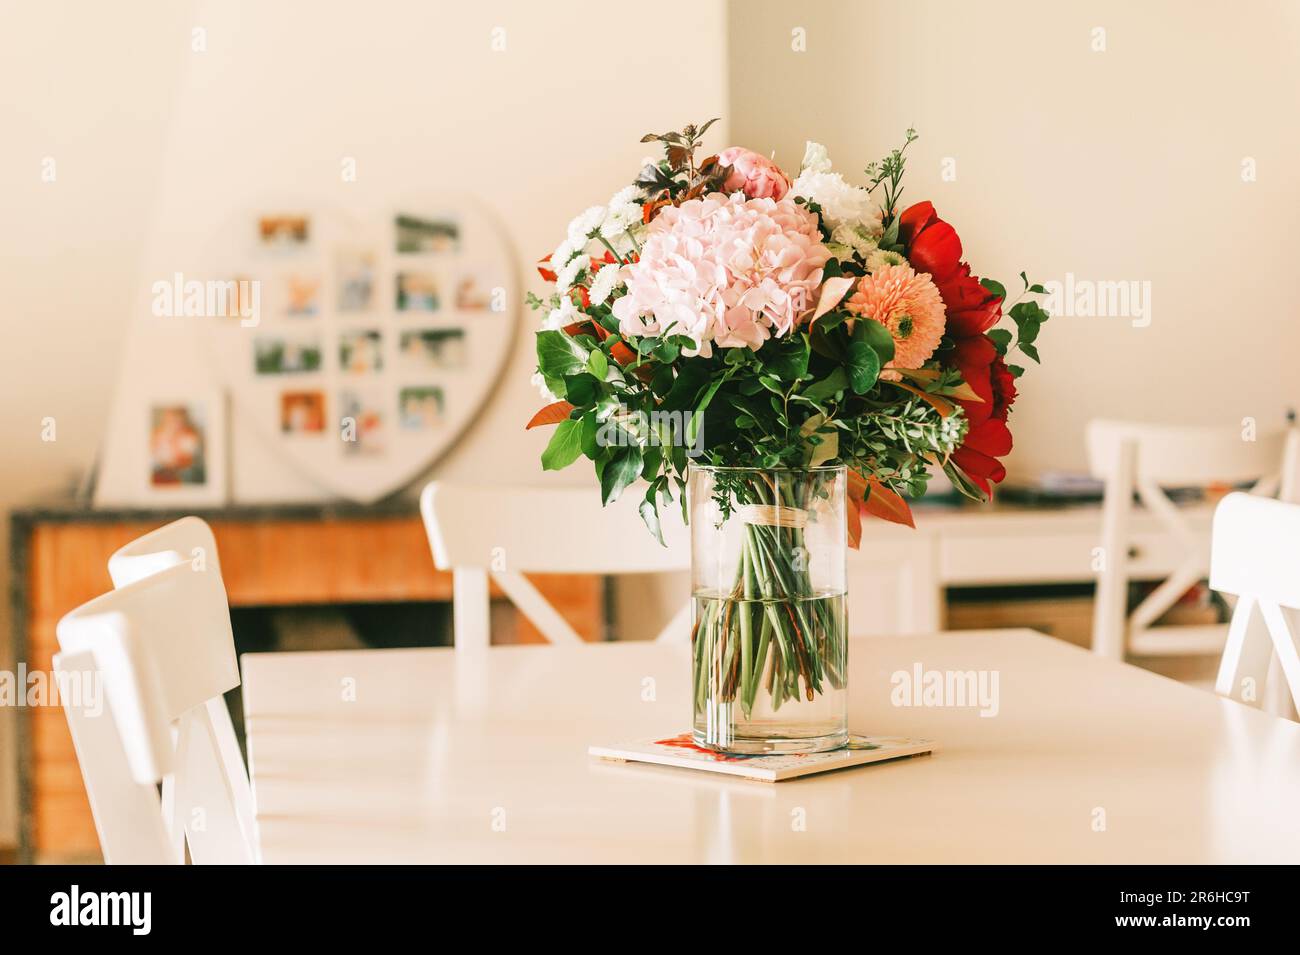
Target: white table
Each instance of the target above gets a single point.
(899, 576)
(420, 756)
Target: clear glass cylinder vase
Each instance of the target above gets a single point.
(769, 625)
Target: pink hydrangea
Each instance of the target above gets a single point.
(753, 174)
(725, 271)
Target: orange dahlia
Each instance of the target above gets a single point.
(909, 305)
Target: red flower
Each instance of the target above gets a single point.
(988, 439)
(933, 246)
(969, 307)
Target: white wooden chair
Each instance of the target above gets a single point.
(162, 650)
(1146, 459)
(1256, 557)
(190, 540)
(502, 533)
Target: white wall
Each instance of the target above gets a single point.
(1123, 164)
(145, 130)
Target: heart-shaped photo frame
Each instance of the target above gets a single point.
(360, 346)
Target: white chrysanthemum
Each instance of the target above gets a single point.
(620, 219)
(539, 382)
(854, 237)
(628, 194)
(584, 224)
(841, 203)
(879, 258)
(566, 314)
(562, 254)
(567, 276)
(815, 158)
(606, 280)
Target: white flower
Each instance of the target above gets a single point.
(566, 314)
(841, 203)
(584, 224)
(565, 277)
(539, 382)
(879, 258)
(620, 219)
(606, 280)
(856, 238)
(815, 158)
(563, 252)
(626, 195)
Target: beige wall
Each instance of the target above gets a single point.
(143, 129)
(1123, 164)
(1116, 165)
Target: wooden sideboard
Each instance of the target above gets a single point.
(270, 556)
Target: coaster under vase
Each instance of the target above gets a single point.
(680, 751)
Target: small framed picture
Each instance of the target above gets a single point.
(474, 292)
(302, 412)
(360, 352)
(420, 408)
(426, 349)
(416, 235)
(361, 422)
(184, 445)
(283, 356)
(355, 279)
(285, 232)
(302, 295)
(417, 291)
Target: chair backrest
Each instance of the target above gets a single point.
(163, 650)
(1178, 455)
(190, 540)
(1256, 557)
(127, 811)
(1145, 459)
(502, 533)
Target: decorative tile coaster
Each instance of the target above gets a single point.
(682, 752)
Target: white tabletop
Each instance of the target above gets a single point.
(420, 756)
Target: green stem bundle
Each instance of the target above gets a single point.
(771, 632)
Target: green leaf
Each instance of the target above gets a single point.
(580, 390)
(1030, 350)
(889, 241)
(787, 360)
(620, 471)
(650, 514)
(564, 447)
(590, 430)
(826, 450)
(559, 355)
(1001, 338)
(863, 366)
(877, 336)
(598, 364)
(996, 287)
(690, 380)
(837, 380)
(666, 352)
(693, 428)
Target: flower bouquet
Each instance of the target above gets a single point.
(781, 356)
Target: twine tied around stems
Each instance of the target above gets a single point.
(772, 515)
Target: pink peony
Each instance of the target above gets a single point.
(725, 271)
(909, 305)
(754, 175)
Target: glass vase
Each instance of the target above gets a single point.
(769, 622)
